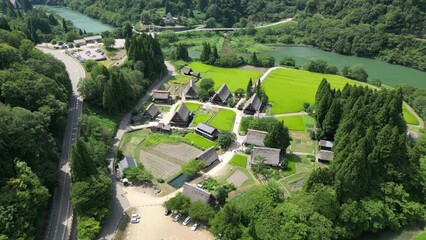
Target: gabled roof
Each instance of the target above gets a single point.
(223, 93)
(152, 110)
(325, 155)
(196, 193)
(272, 155)
(195, 74)
(255, 137)
(208, 156)
(254, 101)
(325, 143)
(93, 38)
(190, 86)
(126, 162)
(186, 70)
(161, 95)
(206, 128)
(183, 112)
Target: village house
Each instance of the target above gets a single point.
(255, 138)
(169, 18)
(207, 131)
(159, 96)
(159, 127)
(126, 162)
(136, 120)
(189, 72)
(221, 95)
(197, 194)
(325, 156)
(93, 39)
(182, 117)
(209, 156)
(272, 156)
(252, 105)
(151, 111)
(325, 145)
(190, 91)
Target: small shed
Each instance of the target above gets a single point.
(136, 120)
(255, 138)
(151, 111)
(325, 156)
(190, 91)
(182, 117)
(209, 156)
(272, 155)
(160, 127)
(325, 145)
(126, 162)
(159, 96)
(252, 105)
(207, 131)
(221, 95)
(80, 42)
(186, 70)
(196, 194)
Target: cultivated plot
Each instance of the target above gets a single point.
(224, 120)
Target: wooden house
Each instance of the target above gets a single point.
(221, 95)
(182, 117)
(252, 105)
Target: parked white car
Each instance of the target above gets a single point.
(195, 226)
(186, 221)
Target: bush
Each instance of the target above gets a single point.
(229, 60)
(160, 180)
(53, 42)
(319, 66)
(225, 139)
(288, 61)
(207, 84)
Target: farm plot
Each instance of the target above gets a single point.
(224, 120)
(192, 106)
(409, 117)
(288, 89)
(233, 77)
(237, 178)
(294, 123)
(199, 141)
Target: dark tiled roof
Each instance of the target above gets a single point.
(196, 193)
(208, 156)
(325, 143)
(191, 85)
(186, 70)
(325, 155)
(223, 93)
(126, 162)
(255, 137)
(195, 74)
(206, 128)
(161, 95)
(272, 155)
(183, 112)
(254, 101)
(152, 110)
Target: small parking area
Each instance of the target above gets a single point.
(86, 54)
(154, 225)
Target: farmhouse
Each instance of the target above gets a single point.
(188, 71)
(182, 116)
(159, 96)
(136, 120)
(190, 91)
(255, 138)
(325, 156)
(208, 157)
(325, 145)
(272, 155)
(160, 127)
(252, 105)
(206, 131)
(196, 193)
(151, 111)
(221, 95)
(169, 18)
(93, 39)
(126, 162)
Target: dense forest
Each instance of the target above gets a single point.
(375, 182)
(34, 96)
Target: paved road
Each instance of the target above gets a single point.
(60, 216)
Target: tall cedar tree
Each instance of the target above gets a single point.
(205, 53)
(82, 164)
(278, 137)
(249, 90)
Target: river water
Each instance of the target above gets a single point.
(79, 20)
(389, 74)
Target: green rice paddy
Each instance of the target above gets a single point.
(224, 120)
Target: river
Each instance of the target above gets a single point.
(389, 74)
(79, 20)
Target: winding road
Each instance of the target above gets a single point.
(60, 218)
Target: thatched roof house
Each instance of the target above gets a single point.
(252, 105)
(209, 156)
(221, 95)
(272, 155)
(196, 193)
(255, 138)
(182, 116)
(151, 111)
(325, 145)
(325, 156)
(159, 96)
(207, 131)
(190, 91)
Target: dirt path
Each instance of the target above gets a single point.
(290, 114)
(421, 122)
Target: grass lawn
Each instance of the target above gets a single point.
(224, 120)
(233, 77)
(409, 117)
(291, 166)
(239, 160)
(421, 236)
(201, 118)
(180, 79)
(193, 106)
(294, 123)
(199, 141)
(288, 89)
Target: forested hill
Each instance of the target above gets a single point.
(34, 97)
